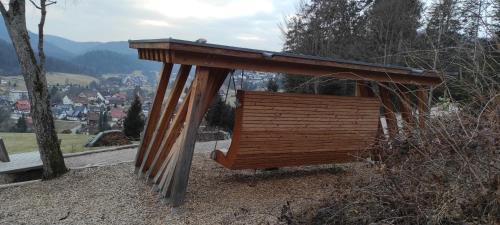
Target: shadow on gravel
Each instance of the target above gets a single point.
(245, 176)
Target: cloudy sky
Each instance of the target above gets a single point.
(245, 23)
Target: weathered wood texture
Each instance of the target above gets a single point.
(168, 154)
(283, 129)
(271, 129)
(166, 116)
(389, 108)
(193, 53)
(154, 114)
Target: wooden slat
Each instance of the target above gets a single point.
(172, 135)
(389, 109)
(154, 113)
(178, 122)
(363, 89)
(405, 105)
(205, 87)
(166, 117)
(301, 135)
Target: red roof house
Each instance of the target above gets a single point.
(118, 113)
(23, 105)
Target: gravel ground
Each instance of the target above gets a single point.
(113, 195)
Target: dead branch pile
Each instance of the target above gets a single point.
(448, 173)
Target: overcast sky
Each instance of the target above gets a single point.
(245, 23)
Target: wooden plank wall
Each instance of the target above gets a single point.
(284, 129)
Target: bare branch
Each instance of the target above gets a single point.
(41, 53)
(34, 4)
(50, 3)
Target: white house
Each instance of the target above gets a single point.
(67, 101)
(16, 95)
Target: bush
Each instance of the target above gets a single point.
(448, 173)
(67, 131)
(134, 122)
(220, 115)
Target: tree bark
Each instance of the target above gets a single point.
(36, 83)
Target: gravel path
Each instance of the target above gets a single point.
(113, 195)
(128, 155)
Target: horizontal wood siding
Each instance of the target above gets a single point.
(285, 129)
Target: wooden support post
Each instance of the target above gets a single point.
(205, 86)
(390, 116)
(363, 90)
(172, 134)
(154, 113)
(406, 105)
(423, 110)
(164, 122)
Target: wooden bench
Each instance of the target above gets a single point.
(285, 129)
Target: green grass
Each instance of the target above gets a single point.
(26, 142)
(52, 79)
(65, 125)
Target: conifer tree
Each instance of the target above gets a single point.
(134, 122)
(272, 85)
(103, 124)
(21, 125)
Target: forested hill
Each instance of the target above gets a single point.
(64, 55)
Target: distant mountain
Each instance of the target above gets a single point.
(8, 59)
(103, 62)
(64, 55)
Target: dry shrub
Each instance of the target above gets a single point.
(447, 173)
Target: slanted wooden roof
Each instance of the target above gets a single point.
(221, 56)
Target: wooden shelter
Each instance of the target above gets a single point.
(271, 129)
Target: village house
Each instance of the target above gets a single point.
(77, 113)
(118, 98)
(134, 81)
(93, 122)
(67, 101)
(117, 113)
(22, 107)
(15, 95)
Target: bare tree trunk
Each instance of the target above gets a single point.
(36, 83)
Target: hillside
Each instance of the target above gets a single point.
(68, 56)
(53, 79)
(104, 61)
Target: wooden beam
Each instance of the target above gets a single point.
(406, 106)
(389, 109)
(422, 100)
(206, 84)
(192, 53)
(166, 117)
(154, 113)
(293, 68)
(363, 89)
(178, 123)
(172, 135)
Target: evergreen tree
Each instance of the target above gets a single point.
(272, 85)
(330, 29)
(103, 124)
(392, 29)
(21, 125)
(220, 114)
(134, 122)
